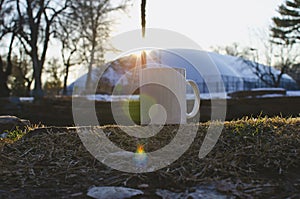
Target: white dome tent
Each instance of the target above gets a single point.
(237, 74)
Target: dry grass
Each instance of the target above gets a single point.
(253, 158)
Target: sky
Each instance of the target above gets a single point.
(209, 23)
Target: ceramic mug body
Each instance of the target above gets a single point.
(163, 96)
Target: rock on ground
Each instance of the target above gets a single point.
(10, 123)
(113, 192)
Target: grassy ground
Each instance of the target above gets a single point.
(254, 158)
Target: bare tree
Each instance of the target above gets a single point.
(6, 30)
(94, 22)
(235, 49)
(67, 32)
(6, 71)
(35, 23)
(22, 75)
(278, 57)
(24, 71)
(273, 57)
(53, 84)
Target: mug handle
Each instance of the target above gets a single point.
(197, 99)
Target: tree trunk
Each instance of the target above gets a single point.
(4, 74)
(66, 79)
(4, 90)
(88, 84)
(37, 91)
(28, 87)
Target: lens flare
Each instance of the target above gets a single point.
(140, 157)
(140, 149)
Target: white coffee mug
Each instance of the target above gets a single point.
(163, 96)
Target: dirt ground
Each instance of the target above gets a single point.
(253, 158)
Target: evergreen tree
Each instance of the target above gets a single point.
(286, 28)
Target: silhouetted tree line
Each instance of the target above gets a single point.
(27, 27)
